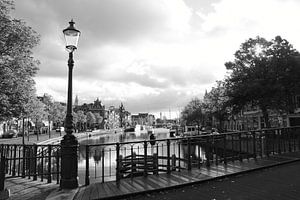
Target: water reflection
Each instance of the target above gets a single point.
(102, 158)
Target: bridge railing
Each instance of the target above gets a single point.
(114, 161)
(31, 161)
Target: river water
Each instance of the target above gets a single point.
(102, 158)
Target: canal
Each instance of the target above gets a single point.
(102, 157)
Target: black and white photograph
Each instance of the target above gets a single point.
(149, 99)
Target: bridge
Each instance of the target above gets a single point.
(133, 167)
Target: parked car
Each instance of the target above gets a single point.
(10, 134)
(60, 129)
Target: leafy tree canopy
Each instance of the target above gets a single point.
(264, 74)
(192, 112)
(17, 64)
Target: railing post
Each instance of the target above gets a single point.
(87, 165)
(208, 151)
(133, 165)
(179, 159)
(14, 160)
(168, 157)
(224, 150)
(289, 139)
(118, 162)
(1, 150)
(199, 157)
(240, 147)
(278, 141)
(155, 164)
(232, 148)
(145, 159)
(49, 179)
(2, 172)
(254, 144)
(267, 143)
(34, 162)
(57, 166)
(24, 161)
(189, 155)
(173, 158)
(102, 157)
(4, 193)
(261, 144)
(42, 164)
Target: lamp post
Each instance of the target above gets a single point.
(69, 143)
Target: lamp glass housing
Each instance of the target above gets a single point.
(71, 37)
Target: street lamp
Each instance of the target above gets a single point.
(69, 143)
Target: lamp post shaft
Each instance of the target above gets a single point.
(69, 143)
(69, 116)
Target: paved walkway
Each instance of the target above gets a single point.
(130, 187)
(26, 189)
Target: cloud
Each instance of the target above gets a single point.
(149, 54)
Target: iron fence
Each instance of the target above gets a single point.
(31, 161)
(114, 161)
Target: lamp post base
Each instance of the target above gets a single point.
(69, 162)
(4, 194)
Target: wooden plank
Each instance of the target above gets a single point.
(114, 189)
(198, 175)
(125, 183)
(183, 178)
(170, 181)
(152, 183)
(94, 192)
(144, 184)
(158, 179)
(79, 194)
(160, 183)
(178, 179)
(121, 187)
(87, 191)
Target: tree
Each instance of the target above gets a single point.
(81, 120)
(214, 104)
(264, 74)
(98, 119)
(36, 112)
(192, 112)
(58, 113)
(17, 64)
(90, 119)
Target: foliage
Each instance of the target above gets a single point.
(193, 112)
(36, 110)
(90, 118)
(17, 64)
(58, 112)
(214, 103)
(81, 116)
(98, 118)
(264, 74)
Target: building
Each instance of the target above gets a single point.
(251, 118)
(96, 108)
(143, 119)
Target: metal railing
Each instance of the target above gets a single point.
(32, 161)
(114, 161)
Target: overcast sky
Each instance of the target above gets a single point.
(152, 55)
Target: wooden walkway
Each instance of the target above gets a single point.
(128, 187)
